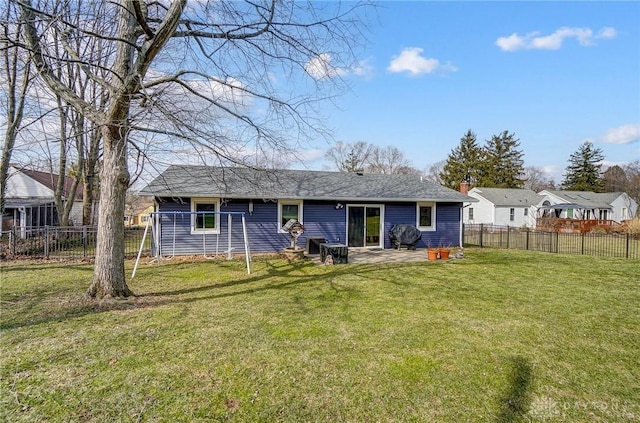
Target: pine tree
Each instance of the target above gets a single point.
(583, 171)
(503, 166)
(463, 163)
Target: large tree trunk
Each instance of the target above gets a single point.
(108, 273)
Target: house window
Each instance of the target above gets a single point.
(205, 219)
(470, 213)
(126, 219)
(145, 218)
(625, 213)
(526, 212)
(512, 214)
(426, 216)
(289, 209)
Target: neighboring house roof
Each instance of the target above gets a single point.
(508, 197)
(240, 182)
(46, 179)
(586, 199)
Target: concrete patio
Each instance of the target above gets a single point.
(366, 256)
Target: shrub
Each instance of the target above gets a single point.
(632, 227)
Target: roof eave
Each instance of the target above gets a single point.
(314, 198)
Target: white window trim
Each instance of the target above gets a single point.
(286, 202)
(431, 204)
(198, 200)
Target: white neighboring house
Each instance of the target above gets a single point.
(29, 200)
(614, 206)
(502, 207)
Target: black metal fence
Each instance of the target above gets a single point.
(593, 244)
(56, 242)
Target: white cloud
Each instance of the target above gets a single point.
(511, 43)
(412, 61)
(363, 69)
(625, 134)
(554, 41)
(320, 67)
(607, 33)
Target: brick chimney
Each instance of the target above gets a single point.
(464, 187)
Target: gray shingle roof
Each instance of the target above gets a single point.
(587, 198)
(239, 182)
(513, 197)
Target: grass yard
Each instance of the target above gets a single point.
(500, 336)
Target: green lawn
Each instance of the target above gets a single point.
(499, 336)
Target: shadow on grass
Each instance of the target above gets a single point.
(47, 308)
(514, 404)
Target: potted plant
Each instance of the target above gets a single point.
(444, 252)
(432, 253)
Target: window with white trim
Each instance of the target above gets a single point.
(288, 209)
(470, 213)
(426, 213)
(205, 220)
(512, 214)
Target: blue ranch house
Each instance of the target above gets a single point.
(348, 208)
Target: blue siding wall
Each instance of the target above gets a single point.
(320, 219)
(447, 231)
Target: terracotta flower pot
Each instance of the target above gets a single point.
(432, 254)
(444, 253)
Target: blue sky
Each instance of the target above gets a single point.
(554, 73)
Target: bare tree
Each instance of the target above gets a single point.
(632, 171)
(16, 78)
(232, 54)
(614, 179)
(389, 160)
(434, 171)
(350, 157)
(537, 179)
(364, 157)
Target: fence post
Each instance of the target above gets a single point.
(46, 242)
(508, 232)
(464, 228)
(12, 240)
(582, 238)
(526, 245)
(627, 252)
(84, 242)
(481, 231)
(557, 242)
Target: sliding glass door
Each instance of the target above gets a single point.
(364, 225)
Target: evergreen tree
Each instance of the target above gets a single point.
(463, 163)
(503, 166)
(583, 171)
